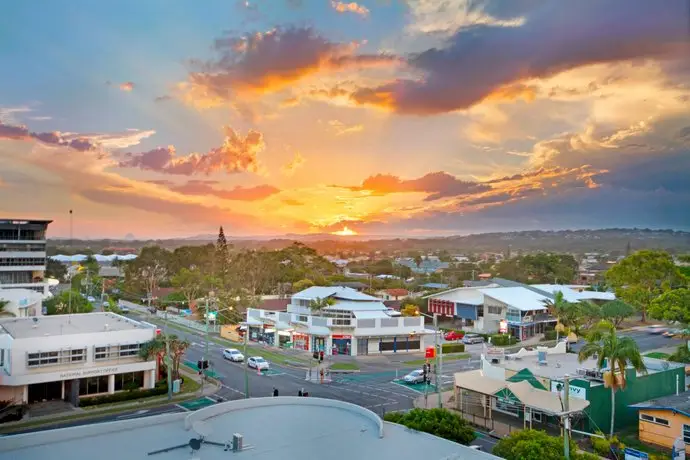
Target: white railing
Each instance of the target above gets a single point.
(199, 326)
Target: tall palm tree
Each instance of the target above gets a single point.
(154, 348)
(618, 352)
(567, 313)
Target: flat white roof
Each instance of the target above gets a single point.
(358, 306)
(367, 314)
(466, 295)
(519, 298)
(84, 323)
(569, 295)
(340, 292)
(330, 430)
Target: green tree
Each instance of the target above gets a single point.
(617, 352)
(616, 311)
(222, 258)
(643, 276)
(534, 445)
(590, 313)
(439, 422)
(568, 313)
(55, 269)
(60, 304)
(409, 310)
(3, 304)
(672, 306)
(156, 348)
(301, 285)
(319, 304)
(190, 282)
(418, 260)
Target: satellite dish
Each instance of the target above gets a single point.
(195, 443)
(35, 319)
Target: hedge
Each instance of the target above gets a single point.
(453, 347)
(123, 396)
(501, 340)
(439, 422)
(550, 335)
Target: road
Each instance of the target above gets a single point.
(645, 341)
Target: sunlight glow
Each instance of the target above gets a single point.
(345, 232)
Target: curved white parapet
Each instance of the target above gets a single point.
(241, 404)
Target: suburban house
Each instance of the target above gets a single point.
(522, 309)
(393, 294)
(428, 264)
(545, 368)
(663, 420)
(353, 324)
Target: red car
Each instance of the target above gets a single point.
(454, 335)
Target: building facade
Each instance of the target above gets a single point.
(21, 302)
(68, 357)
(664, 421)
(23, 254)
(353, 324)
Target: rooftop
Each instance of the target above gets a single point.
(677, 403)
(332, 429)
(8, 221)
(84, 323)
(465, 295)
(340, 292)
(520, 298)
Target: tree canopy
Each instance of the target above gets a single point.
(616, 311)
(538, 268)
(60, 304)
(672, 306)
(439, 422)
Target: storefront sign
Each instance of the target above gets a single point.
(633, 454)
(575, 392)
(503, 326)
(338, 336)
(88, 373)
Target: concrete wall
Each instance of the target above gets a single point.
(491, 321)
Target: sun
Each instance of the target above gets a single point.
(345, 232)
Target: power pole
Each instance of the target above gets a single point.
(168, 364)
(246, 375)
(203, 361)
(438, 366)
(566, 421)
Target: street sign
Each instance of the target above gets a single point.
(632, 454)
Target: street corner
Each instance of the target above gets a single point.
(416, 387)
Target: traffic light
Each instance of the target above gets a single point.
(321, 356)
(424, 373)
(200, 364)
(316, 355)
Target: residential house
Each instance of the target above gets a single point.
(393, 294)
(663, 420)
(428, 264)
(524, 310)
(355, 324)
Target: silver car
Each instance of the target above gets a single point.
(414, 377)
(472, 338)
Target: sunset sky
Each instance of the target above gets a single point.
(168, 118)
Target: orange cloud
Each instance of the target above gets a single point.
(236, 154)
(127, 86)
(352, 7)
(205, 188)
(340, 128)
(293, 165)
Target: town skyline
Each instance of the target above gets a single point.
(416, 118)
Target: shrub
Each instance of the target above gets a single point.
(550, 335)
(439, 422)
(531, 445)
(602, 446)
(501, 340)
(123, 396)
(453, 347)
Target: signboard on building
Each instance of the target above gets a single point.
(632, 454)
(340, 336)
(575, 392)
(503, 326)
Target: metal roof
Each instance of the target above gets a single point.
(340, 292)
(357, 306)
(519, 298)
(371, 314)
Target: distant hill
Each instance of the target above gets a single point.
(612, 241)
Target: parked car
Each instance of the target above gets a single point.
(454, 335)
(472, 338)
(257, 362)
(233, 355)
(672, 333)
(414, 377)
(124, 309)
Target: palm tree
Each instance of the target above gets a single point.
(177, 348)
(3, 304)
(154, 348)
(618, 352)
(567, 313)
(319, 304)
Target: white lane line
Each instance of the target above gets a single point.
(232, 389)
(182, 407)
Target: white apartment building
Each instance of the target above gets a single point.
(355, 324)
(23, 254)
(68, 357)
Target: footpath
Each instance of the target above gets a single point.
(75, 414)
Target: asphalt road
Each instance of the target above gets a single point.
(645, 341)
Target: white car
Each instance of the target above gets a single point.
(257, 362)
(414, 377)
(233, 355)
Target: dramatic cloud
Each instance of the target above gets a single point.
(448, 16)
(80, 141)
(556, 37)
(201, 187)
(340, 128)
(352, 7)
(293, 165)
(8, 114)
(437, 185)
(270, 61)
(237, 154)
(127, 86)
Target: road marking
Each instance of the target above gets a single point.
(182, 407)
(232, 389)
(136, 414)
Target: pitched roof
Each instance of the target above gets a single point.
(274, 304)
(464, 295)
(677, 403)
(339, 292)
(397, 292)
(520, 298)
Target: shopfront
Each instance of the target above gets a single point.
(284, 339)
(300, 341)
(342, 344)
(319, 343)
(399, 344)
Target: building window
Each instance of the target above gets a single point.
(93, 385)
(105, 353)
(686, 434)
(494, 310)
(651, 419)
(2, 358)
(53, 358)
(303, 318)
(129, 380)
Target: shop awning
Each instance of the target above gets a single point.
(321, 331)
(253, 322)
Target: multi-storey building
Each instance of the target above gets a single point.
(23, 254)
(352, 323)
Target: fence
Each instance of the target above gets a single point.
(188, 322)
